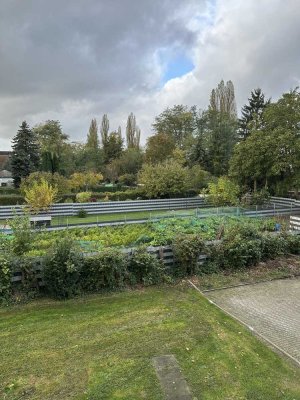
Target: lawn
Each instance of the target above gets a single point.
(101, 346)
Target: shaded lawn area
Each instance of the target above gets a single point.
(100, 347)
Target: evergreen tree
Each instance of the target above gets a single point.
(25, 156)
(252, 113)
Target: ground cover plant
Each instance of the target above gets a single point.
(156, 233)
(100, 347)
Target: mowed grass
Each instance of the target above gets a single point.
(101, 346)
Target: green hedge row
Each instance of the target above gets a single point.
(11, 200)
(66, 272)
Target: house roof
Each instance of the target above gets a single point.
(5, 174)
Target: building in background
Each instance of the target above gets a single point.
(4, 159)
(6, 178)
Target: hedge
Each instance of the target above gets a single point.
(67, 273)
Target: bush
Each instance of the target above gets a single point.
(260, 197)
(11, 200)
(82, 213)
(23, 236)
(107, 270)
(145, 268)
(273, 246)
(224, 192)
(241, 253)
(127, 179)
(61, 269)
(187, 249)
(83, 197)
(5, 278)
(28, 288)
(68, 200)
(293, 243)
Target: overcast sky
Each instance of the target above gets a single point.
(74, 60)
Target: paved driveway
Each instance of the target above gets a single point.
(272, 309)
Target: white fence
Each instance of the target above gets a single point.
(112, 207)
(294, 223)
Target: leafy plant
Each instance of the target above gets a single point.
(223, 192)
(61, 269)
(40, 196)
(107, 270)
(83, 197)
(23, 236)
(82, 213)
(5, 277)
(145, 268)
(187, 249)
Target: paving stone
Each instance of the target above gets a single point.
(171, 379)
(272, 309)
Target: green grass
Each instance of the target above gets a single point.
(101, 346)
(118, 217)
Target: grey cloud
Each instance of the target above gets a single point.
(53, 52)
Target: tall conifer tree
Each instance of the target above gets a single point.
(25, 156)
(252, 113)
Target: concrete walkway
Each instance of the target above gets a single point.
(272, 309)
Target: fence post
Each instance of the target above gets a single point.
(274, 209)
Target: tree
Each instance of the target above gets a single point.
(179, 122)
(25, 156)
(53, 143)
(252, 113)
(85, 180)
(113, 147)
(133, 133)
(223, 192)
(55, 180)
(270, 157)
(92, 137)
(164, 180)
(222, 99)
(40, 196)
(218, 139)
(92, 149)
(104, 129)
(159, 147)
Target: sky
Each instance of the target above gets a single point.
(75, 60)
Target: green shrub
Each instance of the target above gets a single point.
(187, 249)
(11, 200)
(82, 213)
(145, 268)
(23, 236)
(236, 253)
(107, 270)
(127, 179)
(5, 278)
(61, 269)
(68, 200)
(260, 197)
(28, 288)
(83, 197)
(293, 243)
(273, 246)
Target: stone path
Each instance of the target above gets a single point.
(171, 379)
(272, 309)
